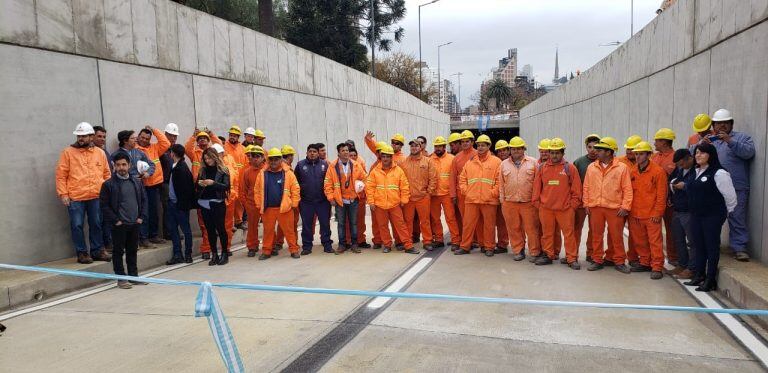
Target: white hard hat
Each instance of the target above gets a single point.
(83, 129)
(142, 167)
(250, 131)
(172, 128)
(218, 148)
(359, 186)
(722, 115)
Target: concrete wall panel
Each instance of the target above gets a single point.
(236, 51)
(206, 60)
(90, 30)
(660, 100)
(262, 56)
(638, 107)
(250, 69)
(336, 124)
(221, 103)
(144, 32)
(188, 32)
(310, 122)
(17, 21)
(167, 34)
(55, 28)
(222, 59)
(49, 93)
(276, 113)
(691, 92)
(119, 29)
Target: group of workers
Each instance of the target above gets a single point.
(496, 198)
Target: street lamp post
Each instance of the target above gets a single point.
(439, 80)
(459, 100)
(421, 83)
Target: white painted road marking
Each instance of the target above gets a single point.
(400, 283)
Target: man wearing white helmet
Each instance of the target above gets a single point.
(249, 136)
(735, 150)
(81, 170)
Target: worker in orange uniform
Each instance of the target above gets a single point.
(454, 142)
(502, 237)
(276, 195)
(441, 198)
(664, 157)
(196, 144)
(375, 148)
(557, 195)
(259, 137)
(516, 175)
(629, 156)
(702, 127)
(288, 154)
(255, 156)
(422, 181)
(628, 159)
(649, 200)
(543, 158)
(340, 186)
(607, 199)
(234, 188)
(237, 151)
(154, 183)
(478, 183)
(459, 160)
(388, 191)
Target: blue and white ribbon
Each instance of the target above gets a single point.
(207, 305)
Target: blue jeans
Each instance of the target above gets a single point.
(738, 233)
(77, 212)
(175, 219)
(705, 231)
(149, 228)
(681, 233)
(308, 211)
(342, 212)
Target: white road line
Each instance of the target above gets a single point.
(99, 289)
(401, 281)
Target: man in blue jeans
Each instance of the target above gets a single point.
(81, 170)
(681, 228)
(181, 196)
(343, 181)
(310, 173)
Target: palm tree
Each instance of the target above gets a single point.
(500, 92)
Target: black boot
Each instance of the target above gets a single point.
(708, 285)
(224, 258)
(697, 280)
(214, 258)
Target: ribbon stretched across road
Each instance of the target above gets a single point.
(207, 304)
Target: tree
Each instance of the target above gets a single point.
(500, 92)
(387, 13)
(266, 17)
(246, 13)
(402, 71)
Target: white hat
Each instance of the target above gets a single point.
(172, 128)
(83, 129)
(359, 186)
(218, 148)
(250, 131)
(722, 115)
(142, 167)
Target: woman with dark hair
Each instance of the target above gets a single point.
(212, 191)
(711, 198)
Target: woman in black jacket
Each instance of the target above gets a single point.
(212, 191)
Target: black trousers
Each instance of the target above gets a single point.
(213, 219)
(706, 243)
(125, 240)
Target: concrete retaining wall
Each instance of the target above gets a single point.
(129, 63)
(694, 58)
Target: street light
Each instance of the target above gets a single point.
(439, 80)
(459, 75)
(420, 60)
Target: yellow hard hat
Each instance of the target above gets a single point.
(380, 145)
(254, 149)
(632, 141)
(440, 140)
(556, 144)
(664, 134)
(260, 133)
(454, 136)
(517, 142)
(544, 144)
(203, 134)
(274, 152)
(399, 137)
(643, 146)
(607, 142)
(484, 138)
(235, 129)
(386, 149)
(287, 150)
(467, 134)
(592, 136)
(701, 123)
(501, 144)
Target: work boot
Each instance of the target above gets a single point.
(563, 260)
(594, 266)
(157, 240)
(640, 268)
(377, 246)
(695, 281)
(656, 275)
(475, 245)
(175, 260)
(428, 247)
(364, 245)
(412, 250)
(543, 260)
(205, 256)
(144, 243)
(108, 247)
(623, 268)
(306, 252)
(533, 258)
(741, 256)
(708, 285)
(454, 248)
(519, 257)
(386, 249)
(608, 263)
(461, 251)
(84, 258)
(264, 256)
(102, 256)
(224, 259)
(341, 249)
(574, 265)
(489, 253)
(399, 247)
(251, 253)
(686, 274)
(355, 249)
(500, 250)
(295, 255)
(438, 244)
(124, 284)
(589, 259)
(138, 283)
(188, 259)
(329, 250)
(214, 259)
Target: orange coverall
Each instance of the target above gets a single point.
(459, 160)
(631, 252)
(387, 191)
(422, 180)
(441, 201)
(649, 199)
(282, 216)
(479, 184)
(666, 161)
(247, 184)
(557, 195)
(606, 190)
(153, 152)
(516, 194)
(237, 151)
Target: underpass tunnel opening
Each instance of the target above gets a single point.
(497, 134)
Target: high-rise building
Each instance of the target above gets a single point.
(527, 71)
(556, 79)
(447, 102)
(507, 70)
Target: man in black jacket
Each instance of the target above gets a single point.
(181, 196)
(124, 207)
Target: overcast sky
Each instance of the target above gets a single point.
(483, 30)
